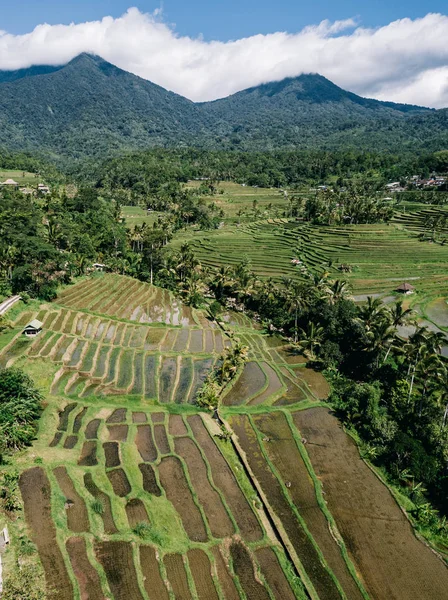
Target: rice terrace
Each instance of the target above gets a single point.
(223, 303)
(130, 491)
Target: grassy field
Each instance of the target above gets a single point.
(136, 215)
(128, 492)
(22, 177)
(239, 202)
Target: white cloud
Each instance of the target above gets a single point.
(405, 61)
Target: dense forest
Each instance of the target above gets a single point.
(90, 107)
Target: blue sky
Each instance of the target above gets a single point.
(217, 19)
(385, 49)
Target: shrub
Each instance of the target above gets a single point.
(142, 530)
(97, 507)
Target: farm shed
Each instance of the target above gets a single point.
(10, 182)
(405, 288)
(32, 328)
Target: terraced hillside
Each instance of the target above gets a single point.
(379, 256)
(130, 492)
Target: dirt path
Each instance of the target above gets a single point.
(394, 564)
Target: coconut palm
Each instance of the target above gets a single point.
(338, 290)
(372, 312)
(295, 301)
(380, 337)
(310, 338)
(399, 315)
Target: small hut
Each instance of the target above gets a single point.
(405, 288)
(98, 266)
(10, 183)
(33, 328)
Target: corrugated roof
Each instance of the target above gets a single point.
(34, 324)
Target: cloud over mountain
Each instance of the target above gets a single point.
(405, 61)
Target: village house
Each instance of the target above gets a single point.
(33, 328)
(43, 189)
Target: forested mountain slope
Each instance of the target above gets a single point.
(91, 107)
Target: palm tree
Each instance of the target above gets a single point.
(310, 339)
(381, 336)
(338, 290)
(221, 279)
(295, 302)
(399, 315)
(372, 312)
(441, 394)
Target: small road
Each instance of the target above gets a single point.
(8, 303)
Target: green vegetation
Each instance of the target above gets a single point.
(20, 408)
(109, 111)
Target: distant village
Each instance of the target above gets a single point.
(41, 188)
(435, 182)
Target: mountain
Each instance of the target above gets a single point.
(91, 107)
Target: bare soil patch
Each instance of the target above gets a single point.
(224, 479)
(278, 502)
(139, 417)
(218, 519)
(244, 569)
(177, 576)
(118, 416)
(77, 517)
(150, 484)
(120, 482)
(111, 451)
(91, 432)
(64, 415)
(251, 381)
(36, 494)
(57, 438)
(118, 563)
(145, 443)
(286, 458)
(88, 455)
(94, 490)
(136, 512)
(154, 586)
(176, 487)
(118, 433)
(202, 575)
(158, 417)
(177, 425)
(274, 575)
(380, 540)
(77, 423)
(161, 439)
(225, 578)
(316, 382)
(87, 576)
(70, 442)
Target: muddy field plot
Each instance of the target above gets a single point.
(140, 496)
(382, 545)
